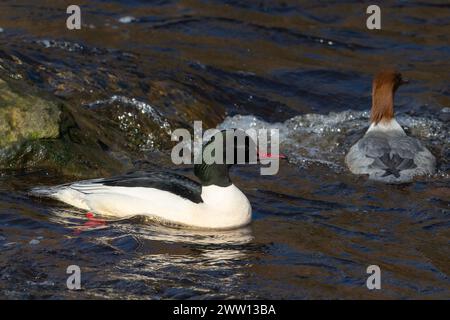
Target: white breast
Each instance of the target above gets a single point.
(225, 206)
(391, 127)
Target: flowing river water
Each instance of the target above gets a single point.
(304, 67)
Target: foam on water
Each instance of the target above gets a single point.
(326, 138)
(65, 45)
(127, 19)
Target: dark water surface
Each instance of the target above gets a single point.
(304, 67)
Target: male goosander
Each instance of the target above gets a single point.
(215, 203)
(385, 152)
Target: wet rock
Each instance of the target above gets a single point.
(76, 152)
(84, 136)
(25, 116)
(37, 131)
(143, 128)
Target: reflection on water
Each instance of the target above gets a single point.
(304, 67)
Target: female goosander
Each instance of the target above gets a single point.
(215, 203)
(385, 152)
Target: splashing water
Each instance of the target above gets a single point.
(325, 139)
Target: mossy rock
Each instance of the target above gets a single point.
(68, 158)
(25, 116)
(40, 132)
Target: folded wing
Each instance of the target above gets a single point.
(390, 159)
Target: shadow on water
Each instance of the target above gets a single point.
(299, 66)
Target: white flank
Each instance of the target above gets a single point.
(222, 207)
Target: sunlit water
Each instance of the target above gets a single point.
(299, 66)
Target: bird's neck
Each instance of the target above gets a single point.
(382, 104)
(213, 174)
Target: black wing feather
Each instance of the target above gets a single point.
(167, 181)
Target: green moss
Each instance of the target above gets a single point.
(57, 155)
(38, 132)
(25, 116)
